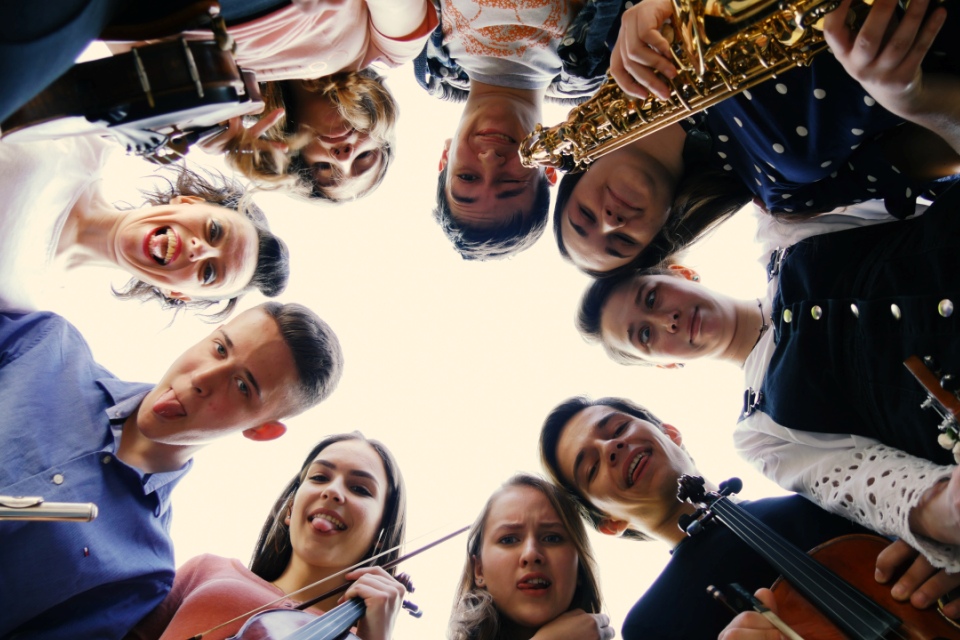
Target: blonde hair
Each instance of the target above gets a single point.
(362, 100)
(475, 615)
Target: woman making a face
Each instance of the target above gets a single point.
(530, 571)
(196, 243)
(345, 504)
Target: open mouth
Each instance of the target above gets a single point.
(497, 136)
(534, 583)
(163, 245)
(635, 467)
(325, 522)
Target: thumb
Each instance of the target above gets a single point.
(766, 597)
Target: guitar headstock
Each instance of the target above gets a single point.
(942, 397)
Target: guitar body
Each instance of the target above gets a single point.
(142, 97)
(853, 558)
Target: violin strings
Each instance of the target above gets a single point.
(333, 619)
(839, 593)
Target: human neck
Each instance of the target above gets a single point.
(664, 526)
(298, 575)
(149, 456)
(88, 234)
(748, 327)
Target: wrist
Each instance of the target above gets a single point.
(928, 515)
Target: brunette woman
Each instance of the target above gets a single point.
(345, 504)
(530, 572)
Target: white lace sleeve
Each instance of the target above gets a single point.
(858, 478)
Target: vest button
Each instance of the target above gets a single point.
(816, 312)
(787, 316)
(854, 310)
(945, 308)
(895, 311)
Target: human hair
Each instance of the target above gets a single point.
(593, 301)
(550, 434)
(703, 199)
(315, 349)
(475, 615)
(517, 234)
(273, 258)
(363, 101)
(273, 550)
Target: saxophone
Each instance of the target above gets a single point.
(721, 47)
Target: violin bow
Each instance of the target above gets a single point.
(339, 589)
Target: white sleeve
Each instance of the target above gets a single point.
(856, 477)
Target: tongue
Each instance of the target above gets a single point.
(322, 525)
(167, 406)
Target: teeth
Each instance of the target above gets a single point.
(538, 582)
(634, 464)
(171, 246)
(334, 521)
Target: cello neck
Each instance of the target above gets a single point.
(853, 612)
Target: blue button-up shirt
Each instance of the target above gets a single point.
(61, 416)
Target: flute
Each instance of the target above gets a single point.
(34, 508)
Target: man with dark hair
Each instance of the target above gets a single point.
(72, 432)
(488, 204)
(621, 463)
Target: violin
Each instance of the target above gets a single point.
(828, 594)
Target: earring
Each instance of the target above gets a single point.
(286, 521)
(696, 278)
(479, 582)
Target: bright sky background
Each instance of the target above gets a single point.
(452, 364)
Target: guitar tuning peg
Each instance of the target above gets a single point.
(949, 382)
(931, 363)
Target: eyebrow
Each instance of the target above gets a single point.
(580, 230)
(246, 371)
(503, 195)
(353, 472)
(462, 199)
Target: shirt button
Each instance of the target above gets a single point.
(106, 459)
(816, 312)
(787, 316)
(57, 478)
(854, 310)
(895, 311)
(945, 308)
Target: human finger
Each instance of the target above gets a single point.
(604, 630)
(835, 30)
(894, 558)
(266, 122)
(872, 35)
(217, 144)
(624, 79)
(750, 625)
(908, 48)
(919, 571)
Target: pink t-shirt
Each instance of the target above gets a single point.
(207, 591)
(288, 44)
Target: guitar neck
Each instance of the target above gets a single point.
(854, 613)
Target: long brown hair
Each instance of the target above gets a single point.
(475, 615)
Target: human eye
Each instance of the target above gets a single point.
(319, 477)
(619, 430)
(208, 274)
(361, 490)
(554, 538)
(365, 154)
(651, 298)
(508, 539)
(243, 387)
(588, 214)
(221, 350)
(643, 336)
(215, 230)
(466, 177)
(625, 239)
(592, 472)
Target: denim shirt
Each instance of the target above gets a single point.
(61, 417)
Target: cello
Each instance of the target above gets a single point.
(827, 594)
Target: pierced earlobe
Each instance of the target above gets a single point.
(696, 278)
(286, 521)
(479, 582)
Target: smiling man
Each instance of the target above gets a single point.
(72, 432)
(488, 204)
(622, 464)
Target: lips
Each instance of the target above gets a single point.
(534, 584)
(635, 467)
(619, 199)
(325, 521)
(495, 135)
(168, 406)
(163, 245)
(695, 323)
(337, 138)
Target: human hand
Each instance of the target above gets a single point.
(382, 595)
(750, 625)
(884, 56)
(642, 51)
(235, 131)
(920, 582)
(937, 515)
(577, 624)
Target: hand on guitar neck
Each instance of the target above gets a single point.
(236, 139)
(918, 581)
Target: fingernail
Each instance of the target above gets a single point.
(920, 600)
(898, 592)
(880, 576)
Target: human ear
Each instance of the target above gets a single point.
(612, 526)
(551, 175)
(672, 365)
(443, 155)
(175, 295)
(686, 272)
(186, 200)
(266, 431)
(673, 433)
(477, 571)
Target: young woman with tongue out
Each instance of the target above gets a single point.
(195, 244)
(345, 504)
(530, 572)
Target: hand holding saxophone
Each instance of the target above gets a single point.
(642, 52)
(884, 56)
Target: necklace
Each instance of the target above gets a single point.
(763, 319)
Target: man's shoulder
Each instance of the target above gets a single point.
(22, 331)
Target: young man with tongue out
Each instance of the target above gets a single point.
(72, 432)
(621, 463)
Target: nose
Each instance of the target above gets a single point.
(334, 491)
(611, 449)
(343, 151)
(205, 380)
(199, 249)
(670, 321)
(531, 554)
(492, 158)
(612, 221)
